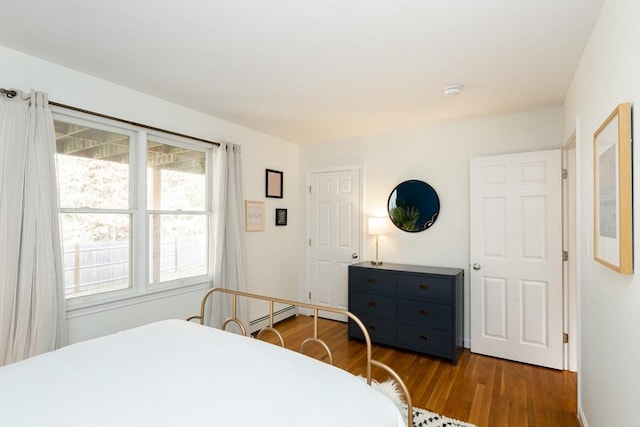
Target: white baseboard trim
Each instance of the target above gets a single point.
(581, 418)
(278, 316)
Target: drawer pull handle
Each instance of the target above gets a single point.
(424, 337)
(372, 281)
(424, 287)
(424, 312)
(372, 303)
(372, 327)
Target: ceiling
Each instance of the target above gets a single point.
(313, 71)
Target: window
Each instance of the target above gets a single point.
(176, 201)
(134, 209)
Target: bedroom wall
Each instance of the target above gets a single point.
(269, 271)
(439, 155)
(608, 303)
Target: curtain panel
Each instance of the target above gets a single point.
(227, 238)
(32, 306)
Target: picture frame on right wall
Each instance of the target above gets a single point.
(273, 184)
(281, 217)
(612, 192)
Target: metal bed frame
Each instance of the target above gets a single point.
(316, 309)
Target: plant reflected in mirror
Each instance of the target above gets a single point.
(404, 217)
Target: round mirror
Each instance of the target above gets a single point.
(413, 206)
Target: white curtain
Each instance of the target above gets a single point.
(228, 237)
(32, 310)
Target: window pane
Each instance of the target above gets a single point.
(96, 253)
(93, 167)
(177, 247)
(175, 178)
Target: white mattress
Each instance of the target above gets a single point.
(175, 373)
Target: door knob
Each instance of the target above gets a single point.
(354, 255)
(476, 266)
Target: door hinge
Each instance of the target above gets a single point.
(309, 295)
(309, 242)
(565, 174)
(309, 189)
(565, 256)
(565, 338)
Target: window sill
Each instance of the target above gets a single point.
(89, 308)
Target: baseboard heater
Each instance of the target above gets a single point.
(278, 316)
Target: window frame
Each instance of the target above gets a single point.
(140, 290)
(207, 211)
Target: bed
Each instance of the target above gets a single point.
(180, 373)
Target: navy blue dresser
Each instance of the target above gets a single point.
(411, 307)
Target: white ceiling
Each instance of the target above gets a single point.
(312, 71)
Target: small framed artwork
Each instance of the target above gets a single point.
(253, 215)
(281, 217)
(273, 186)
(612, 182)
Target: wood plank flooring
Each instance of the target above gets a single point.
(482, 390)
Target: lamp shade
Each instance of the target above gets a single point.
(377, 225)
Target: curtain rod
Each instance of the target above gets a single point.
(11, 93)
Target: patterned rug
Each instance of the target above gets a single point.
(424, 418)
(421, 417)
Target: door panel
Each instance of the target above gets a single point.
(534, 226)
(516, 246)
(494, 303)
(534, 313)
(495, 233)
(323, 270)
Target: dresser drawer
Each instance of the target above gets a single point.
(427, 314)
(425, 339)
(379, 329)
(379, 305)
(373, 281)
(426, 286)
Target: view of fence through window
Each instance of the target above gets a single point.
(97, 186)
(99, 267)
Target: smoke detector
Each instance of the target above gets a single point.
(452, 90)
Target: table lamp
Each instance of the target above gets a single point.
(377, 226)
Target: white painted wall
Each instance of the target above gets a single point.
(271, 271)
(439, 155)
(608, 303)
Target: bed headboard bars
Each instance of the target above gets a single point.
(316, 309)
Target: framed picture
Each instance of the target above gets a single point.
(612, 181)
(281, 217)
(253, 215)
(273, 187)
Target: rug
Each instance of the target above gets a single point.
(421, 417)
(424, 418)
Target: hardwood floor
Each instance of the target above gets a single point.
(479, 389)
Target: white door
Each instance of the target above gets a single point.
(516, 257)
(334, 241)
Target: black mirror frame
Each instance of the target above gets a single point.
(428, 221)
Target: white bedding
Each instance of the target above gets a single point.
(175, 373)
